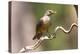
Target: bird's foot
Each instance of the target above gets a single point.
(52, 35)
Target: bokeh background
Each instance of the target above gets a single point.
(25, 16)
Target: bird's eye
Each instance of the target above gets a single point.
(50, 11)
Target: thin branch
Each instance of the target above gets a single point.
(35, 45)
(46, 37)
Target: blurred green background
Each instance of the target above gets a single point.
(65, 16)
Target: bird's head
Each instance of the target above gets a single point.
(50, 12)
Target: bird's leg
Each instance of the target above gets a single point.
(48, 33)
(51, 35)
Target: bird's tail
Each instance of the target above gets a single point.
(37, 36)
(34, 37)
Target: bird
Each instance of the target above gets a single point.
(43, 24)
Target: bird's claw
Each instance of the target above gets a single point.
(51, 35)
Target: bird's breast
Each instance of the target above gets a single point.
(45, 19)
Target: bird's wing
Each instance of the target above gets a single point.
(39, 25)
(38, 32)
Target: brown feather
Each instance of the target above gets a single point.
(40, 29)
